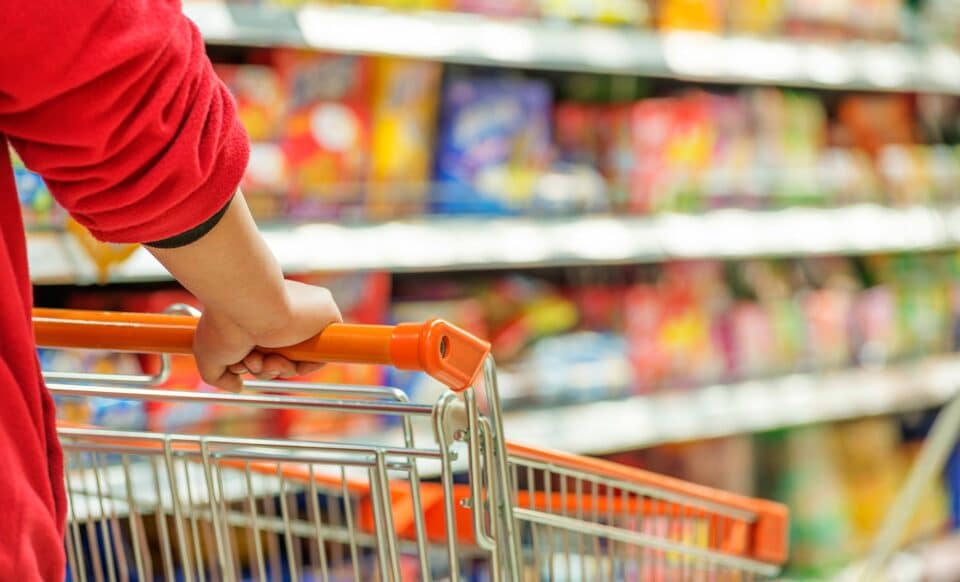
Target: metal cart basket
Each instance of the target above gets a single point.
(467, 505)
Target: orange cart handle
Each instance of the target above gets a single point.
(444, 351)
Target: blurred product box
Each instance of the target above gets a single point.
(405, 102)
(493, 145)
(109, 413)
(36, 202)
(699, 15)
(259, 97)
(327, 131)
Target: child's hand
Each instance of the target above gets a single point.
(224, 348)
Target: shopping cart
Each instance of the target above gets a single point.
(468, 505)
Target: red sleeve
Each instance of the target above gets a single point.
(116, 105)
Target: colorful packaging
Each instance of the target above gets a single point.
(872, 121)
(326, 137)
(96, 411)
(259, 98)
(37, 203)
(404, 117)
(577, 133)
(799, 467)
(705, 15)
(580, 366)
(616, 150)
(754, 16)
(673, 140)
(875, 326)
(493, 145)
(802, 132)
(728, 179)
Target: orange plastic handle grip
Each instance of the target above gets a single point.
(446, 352)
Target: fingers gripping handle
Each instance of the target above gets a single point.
(448, 353)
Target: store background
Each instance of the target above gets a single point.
(717, 239)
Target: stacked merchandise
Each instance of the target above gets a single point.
(756, 149)
(348, 138)
(381, 138)
(331, 132)
(571, 338)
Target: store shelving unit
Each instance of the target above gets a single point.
(473, 39)
(448, 244)
(745, 407)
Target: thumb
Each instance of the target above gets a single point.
(229, 381)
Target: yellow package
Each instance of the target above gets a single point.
(754, 16)
(704, 16)
(405, 96)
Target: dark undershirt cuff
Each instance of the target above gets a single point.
(192, 235)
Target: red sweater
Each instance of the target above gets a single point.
(115, 104)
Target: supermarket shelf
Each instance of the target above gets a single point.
(730, 409)
(447, 244)
(474, 39)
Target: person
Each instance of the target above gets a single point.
(115, 104)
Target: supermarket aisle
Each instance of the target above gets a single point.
(714, 240)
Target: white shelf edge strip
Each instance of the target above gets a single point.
(465, 243)
(746, 407)
(552, 45)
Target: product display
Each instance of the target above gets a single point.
(356, 138)
(690, 324)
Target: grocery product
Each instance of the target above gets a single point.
(705, 16)
(672, 141)
(799, 467)
(405, 97)
(107, 412)
(493, 145)
(38, 206)
(326, 133)
(754, 16)
(259, 98)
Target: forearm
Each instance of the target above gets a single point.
(231, 270)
